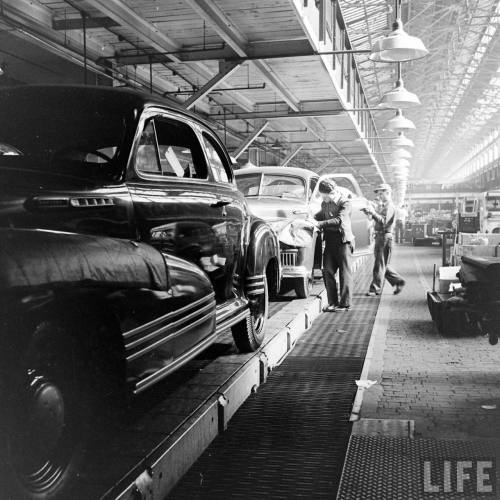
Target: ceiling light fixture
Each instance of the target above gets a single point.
(399, 123)
(402, 176)
(401, 166)
(398, 46)
(399, 97)
(401, 153)
(402, 141)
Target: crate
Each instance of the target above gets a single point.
(447, 276)
(477, 250)
(466, 238)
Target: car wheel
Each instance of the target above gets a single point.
(52, 414)
(249, 333)
(303, 287)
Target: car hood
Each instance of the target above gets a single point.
(269, 208)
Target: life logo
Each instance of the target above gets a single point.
(472, 478)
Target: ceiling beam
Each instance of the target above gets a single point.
(128, 18)
(226, 29)
(260, 50)
(290, 157)
(225, 70)
(307, 108)
(249, 141)
(76, 23)
(125, 16)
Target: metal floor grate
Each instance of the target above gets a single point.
(393, 468)
(289, 439)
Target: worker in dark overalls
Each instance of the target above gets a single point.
(334, 220)
(384, 217)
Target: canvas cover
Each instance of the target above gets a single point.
(34, 258)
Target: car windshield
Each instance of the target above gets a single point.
(282, 186)
(64, 137)
(493, 203)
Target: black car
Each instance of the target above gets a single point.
(125, 248)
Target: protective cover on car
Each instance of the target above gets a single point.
(33, 258)
(297, 233)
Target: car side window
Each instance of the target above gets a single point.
(171, 149)
(216, 160)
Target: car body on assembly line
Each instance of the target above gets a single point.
(125, 247)
(286, 197)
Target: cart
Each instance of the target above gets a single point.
(474, 308)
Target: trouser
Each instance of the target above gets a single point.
(337, 256)
(381, 268)
(399, 231)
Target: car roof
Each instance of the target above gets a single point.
(116, 97)
(301, 172)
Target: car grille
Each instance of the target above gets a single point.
(289, 257)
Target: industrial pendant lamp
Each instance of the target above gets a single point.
(403, 176)
(402, 173)
(401, 153)
(399, 97)
(401, 165)
(398, 46)
(401, 141)
(399, 123)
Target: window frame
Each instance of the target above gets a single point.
(202, 129)
(226, 164)
(150, 114)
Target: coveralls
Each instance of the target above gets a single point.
(335, 221)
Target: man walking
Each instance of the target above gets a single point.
(384, 217)
(334, 219)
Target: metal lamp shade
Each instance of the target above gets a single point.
(400, 154)
(399, 122)
(398, 46)
(401, 142)
(400, 163)
(401, 171)
(399, 98)
(400, 177)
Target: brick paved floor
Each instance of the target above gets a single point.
(439, 382)
(432, 385)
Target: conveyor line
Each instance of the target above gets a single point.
(289, 439)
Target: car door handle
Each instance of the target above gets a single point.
(222, 202)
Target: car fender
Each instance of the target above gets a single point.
(262, 259)
(120, 285)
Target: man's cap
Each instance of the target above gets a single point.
(383, 187)
(327, 186)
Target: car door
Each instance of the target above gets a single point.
(176, 206)
(232, 213)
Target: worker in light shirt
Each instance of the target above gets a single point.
(384, 216)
